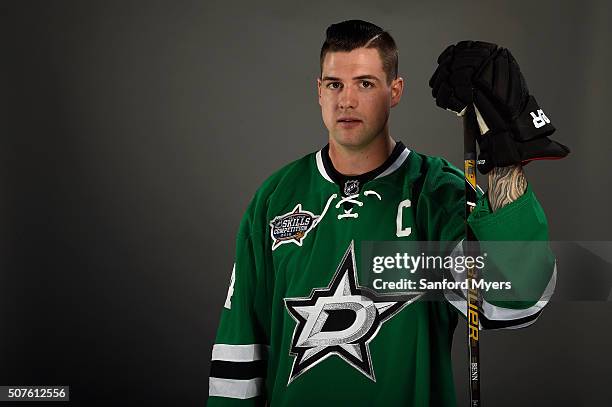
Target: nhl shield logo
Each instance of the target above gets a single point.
(292, 227)
(351, 187)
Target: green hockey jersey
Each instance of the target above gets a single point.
(297, 327)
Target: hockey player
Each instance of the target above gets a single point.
(298, 327)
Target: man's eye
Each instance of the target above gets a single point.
(334, 85)
(367, 84)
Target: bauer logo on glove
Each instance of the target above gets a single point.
(513, 127)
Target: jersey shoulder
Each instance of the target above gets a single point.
(298, 172)
(439, 172)
(439, 190)
(438, 178)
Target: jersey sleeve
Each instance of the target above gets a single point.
(240, 351)
(524, 260)
(529, 268)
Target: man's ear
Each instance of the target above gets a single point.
(397, 89)
(319, 89)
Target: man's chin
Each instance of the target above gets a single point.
(351, 140)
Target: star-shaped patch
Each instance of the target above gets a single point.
(340, 319)
(292, 227)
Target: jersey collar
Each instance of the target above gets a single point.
(391, 164)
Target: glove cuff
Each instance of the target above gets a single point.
(501, 150)
(497, 150)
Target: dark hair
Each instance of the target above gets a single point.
(352, 34)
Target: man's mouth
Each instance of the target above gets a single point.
(348, 122)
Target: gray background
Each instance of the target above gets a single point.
(135, 133)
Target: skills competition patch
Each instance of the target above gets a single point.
(292, 227)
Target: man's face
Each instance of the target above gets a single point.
(355, 98)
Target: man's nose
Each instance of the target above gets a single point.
(348, 98)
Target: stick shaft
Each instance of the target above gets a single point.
(470, 130)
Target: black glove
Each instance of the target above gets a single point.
(514, 130)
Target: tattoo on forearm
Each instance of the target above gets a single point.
(506, 184)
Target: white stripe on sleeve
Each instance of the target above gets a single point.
(493, 312)
(239, 353)
(236, 389)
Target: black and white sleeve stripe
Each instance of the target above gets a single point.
(238, 371)
(495, 317)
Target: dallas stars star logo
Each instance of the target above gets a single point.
(341, 319)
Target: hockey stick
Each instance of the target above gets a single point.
(470, 130)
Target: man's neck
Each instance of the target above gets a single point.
(361, 160)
